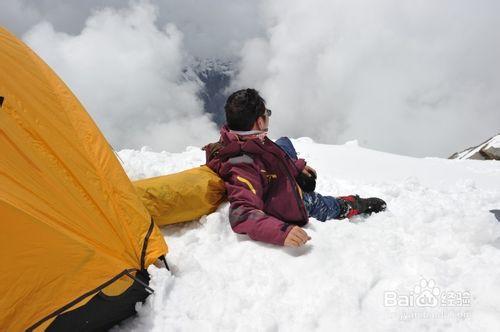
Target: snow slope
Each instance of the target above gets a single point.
(431, 262)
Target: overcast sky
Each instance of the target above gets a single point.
(418, 78)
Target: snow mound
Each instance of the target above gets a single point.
(430, 262)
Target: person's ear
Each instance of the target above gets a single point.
(261, 123)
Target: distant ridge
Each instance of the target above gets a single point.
(488, 150)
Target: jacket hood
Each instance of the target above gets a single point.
(234, 145)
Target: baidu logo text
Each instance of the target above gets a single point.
(426, 294)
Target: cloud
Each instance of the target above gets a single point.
(212, 29)
(65, 15)
(417, 78)
(17, 16)
(129, 75)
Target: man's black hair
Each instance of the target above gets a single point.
(242, 108)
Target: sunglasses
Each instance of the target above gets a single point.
(268, 112)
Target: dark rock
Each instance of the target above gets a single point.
(215, 77)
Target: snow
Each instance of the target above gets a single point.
(438, 238)
(494, 142)
(467, 153)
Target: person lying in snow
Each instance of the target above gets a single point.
(270, 190)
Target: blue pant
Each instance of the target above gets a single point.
(317, 206)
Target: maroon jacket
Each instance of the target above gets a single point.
(265, 200)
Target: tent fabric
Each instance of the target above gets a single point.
(90, 318)
(182, 196)
(70, 220)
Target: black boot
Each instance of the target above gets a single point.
(353, 205)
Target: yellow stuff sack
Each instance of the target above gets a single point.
(183, 196)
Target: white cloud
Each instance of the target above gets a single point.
(129, 75)
(212, 29)
(419, 78)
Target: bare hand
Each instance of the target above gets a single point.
(309, 171)
(297, 237)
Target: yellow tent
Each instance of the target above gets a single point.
(71, 225)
